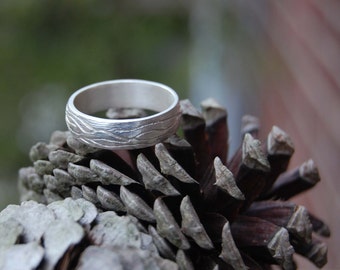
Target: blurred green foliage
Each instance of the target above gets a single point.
(75, 43)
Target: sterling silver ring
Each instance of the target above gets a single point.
(131, 133)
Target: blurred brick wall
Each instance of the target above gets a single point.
(301, 94)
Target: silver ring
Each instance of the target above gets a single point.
(123, 133)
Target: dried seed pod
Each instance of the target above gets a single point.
(61, 158)
(170, 166)
(154, 180)
(136, 206)
(110, 200)
(192, 226)
(167, 225)
(108, 175)
(162, 245)
(82, 174)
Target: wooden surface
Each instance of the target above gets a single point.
(301, 93)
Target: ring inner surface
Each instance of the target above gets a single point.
(124, 95)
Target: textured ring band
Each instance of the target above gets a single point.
(123, 133)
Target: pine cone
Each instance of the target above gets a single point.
(72, 233)
(202, 211)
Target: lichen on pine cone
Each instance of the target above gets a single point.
(201, 211)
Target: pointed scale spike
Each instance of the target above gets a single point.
(279, 142)
(253, 171)
(263, 240)
(252, 154)
(170, 166)
(110, 200)
(226, 181)
(183, 261)
(279, 150)
(319, 226)
(82, 174)
(154, 180)
(135, 206)
(216, 126)
(64, 178)
(79, 147)
(51, 196)
(35, 182)
(293, 217)
(162, 245)
(192, 226)
(193, 126)
(316, 252)
(167, 225)
(89, 194)
(61, 158)
(281, 249)
(59, 138)
(250, 124)
(230, 253)
(40, 151)
(181, 150)
(54, 185)
(43, 167)
(76, 193)
(216, 191)
(295, 181)
(108, 175)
